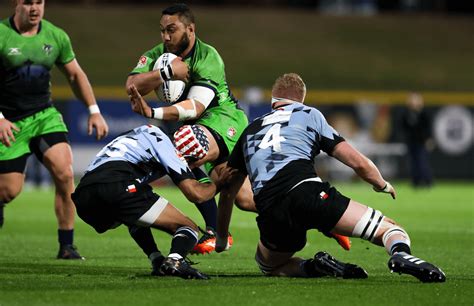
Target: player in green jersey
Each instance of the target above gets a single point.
(29, 123)
(209, 102)
(208, 105)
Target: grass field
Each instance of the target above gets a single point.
(440, 223)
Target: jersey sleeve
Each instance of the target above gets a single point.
(66, 53)
(328, 136)
(236, 159)
(210, 72)
(147, 60)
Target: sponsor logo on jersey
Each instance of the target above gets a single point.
(142, 62)
(231, 132)
(47, 49)
(14, 51)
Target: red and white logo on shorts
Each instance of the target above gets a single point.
(131, 188)
(231, 132)
(323, 195)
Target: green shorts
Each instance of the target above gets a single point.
(229, 122)
(43, 122)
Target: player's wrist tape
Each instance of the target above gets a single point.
(166, 73)
(157, 113)
(1, 116)
(94, 109)
(186, 113)
(385, 189)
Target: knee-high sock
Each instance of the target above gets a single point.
(144, 238)
(184, 239)
(207, 209)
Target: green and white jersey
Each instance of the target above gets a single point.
(206, 69)
(25, 65)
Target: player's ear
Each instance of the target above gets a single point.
(192, 28)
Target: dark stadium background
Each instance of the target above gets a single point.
(359, 59)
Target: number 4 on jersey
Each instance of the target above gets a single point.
(272, 138)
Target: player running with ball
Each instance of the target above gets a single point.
(209, 105)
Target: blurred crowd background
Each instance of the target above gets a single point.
(363, 61)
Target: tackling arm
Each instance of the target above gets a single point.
(224, 211)
(363, 166)
(197, 192)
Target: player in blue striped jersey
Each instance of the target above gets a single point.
(277, 152)
(115, 190)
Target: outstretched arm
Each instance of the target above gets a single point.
(82, 89)
(363, 166)
(224, 211)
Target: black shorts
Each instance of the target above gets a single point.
(311, 205)
(38, 145)
(107, 205)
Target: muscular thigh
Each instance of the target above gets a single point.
(58, 158)
(168, 218)
(350, 218)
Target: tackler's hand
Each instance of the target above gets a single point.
(388, 188)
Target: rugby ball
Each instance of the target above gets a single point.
(170, 91)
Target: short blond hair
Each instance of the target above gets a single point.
(289, 86)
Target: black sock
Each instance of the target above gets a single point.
(1, 213)
(207, 209)
(400, 247)
(65, 237)
(144, 238)
(184, 239)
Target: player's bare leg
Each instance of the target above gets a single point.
(370, 224)
(58, 160)
(10, 186)
(184, 231)
(274, 263)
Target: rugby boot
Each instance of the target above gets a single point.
(327, 265)
(207, 242)
(156, 265)
(181, 268)
(69, 251)
(404, 263)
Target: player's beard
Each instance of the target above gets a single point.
(181, 46)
